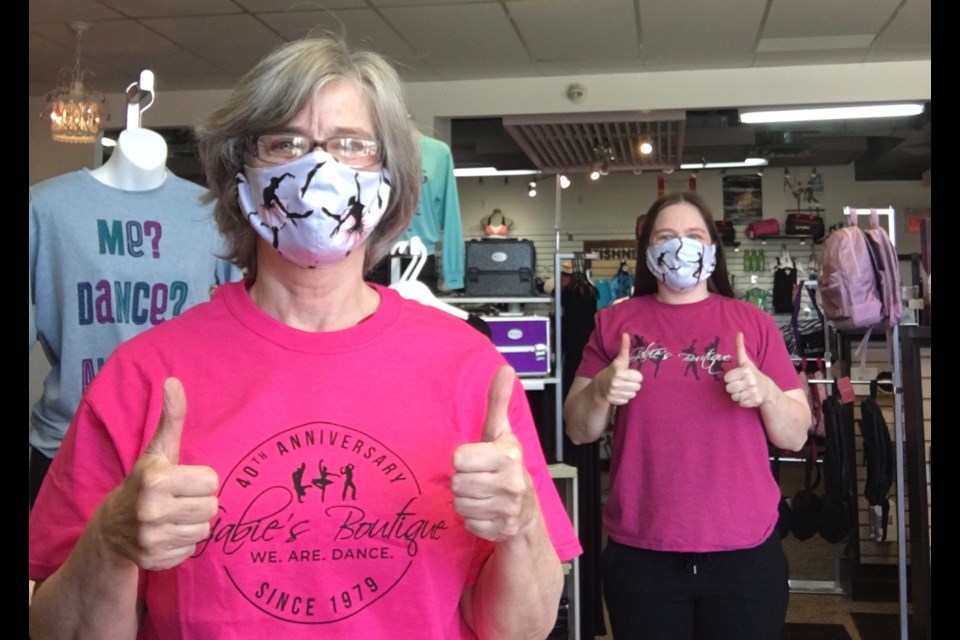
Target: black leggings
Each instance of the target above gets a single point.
(725, 595)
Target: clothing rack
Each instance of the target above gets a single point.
(898, 433)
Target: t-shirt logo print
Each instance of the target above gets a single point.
(318, 499)
(709, 360)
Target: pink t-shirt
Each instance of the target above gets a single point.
(690, 469)
(333, 452)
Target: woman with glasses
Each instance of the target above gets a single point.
(699, 383)
(307, 455)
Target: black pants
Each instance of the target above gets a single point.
(39, 464)
(726, 595)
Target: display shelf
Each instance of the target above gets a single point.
(565, 476)
(801, 237)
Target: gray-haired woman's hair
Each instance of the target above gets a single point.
(269, 96)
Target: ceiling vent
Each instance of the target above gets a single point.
(568, 143)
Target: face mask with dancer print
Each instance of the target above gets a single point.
(314, 211)
(681, 263)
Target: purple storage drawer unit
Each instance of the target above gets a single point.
(524, 341)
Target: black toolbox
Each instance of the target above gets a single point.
(500, 267)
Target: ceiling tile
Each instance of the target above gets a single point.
(193, 34)
(364, 28)
(699, 34)
(64, 11)
(477, 40)
(272, 6)
(790, 19)
(907, 36)
(557, 30)
(172, 8)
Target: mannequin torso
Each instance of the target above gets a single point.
(138, 162)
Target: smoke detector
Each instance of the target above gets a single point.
(576, 92)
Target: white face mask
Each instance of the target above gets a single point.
(314, 211)
(681, 263)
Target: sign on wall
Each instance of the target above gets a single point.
(742, 198)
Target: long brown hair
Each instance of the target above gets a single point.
(644, 282)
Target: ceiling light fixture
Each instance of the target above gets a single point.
(532, 188)
(893, 110)
(749, 162)
(602, 157)
(646, 148)
(74, 112)
(564, 182)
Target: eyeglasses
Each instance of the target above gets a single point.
(278, 148)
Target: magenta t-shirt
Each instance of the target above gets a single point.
(334, 455)
(690, 469)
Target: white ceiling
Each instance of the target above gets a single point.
(206, 44)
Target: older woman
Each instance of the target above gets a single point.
(307, 455)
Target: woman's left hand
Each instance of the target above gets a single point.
(746, 384)
(491, 487)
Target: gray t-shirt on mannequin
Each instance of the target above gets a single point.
(105, 264)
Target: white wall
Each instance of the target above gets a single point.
(601, 210)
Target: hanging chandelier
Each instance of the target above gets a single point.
(75, 113)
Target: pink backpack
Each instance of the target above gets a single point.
(849, 283)
(860, 281)
(889, 267)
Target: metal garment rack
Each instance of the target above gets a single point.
(898, 434)
(830, 587)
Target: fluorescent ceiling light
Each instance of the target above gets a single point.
(749, 162)
(831, 113)
(473, 172)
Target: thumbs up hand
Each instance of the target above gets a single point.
(618, 384)
(746, 384)
(159, 513)
(491, 487)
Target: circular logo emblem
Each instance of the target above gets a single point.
(317, 523)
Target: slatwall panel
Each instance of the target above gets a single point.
(872, 552)
(573, 240)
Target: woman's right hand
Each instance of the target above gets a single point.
(159, 513)
(618, 384)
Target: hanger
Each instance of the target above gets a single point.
(137, 92)
(579, 281)
(412, 289)
(785, 261)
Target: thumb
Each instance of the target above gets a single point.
(497, 421)
(742, 358)
(166, 441)
(622, 361)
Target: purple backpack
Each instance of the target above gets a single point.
(860, 281)
(849, 283)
